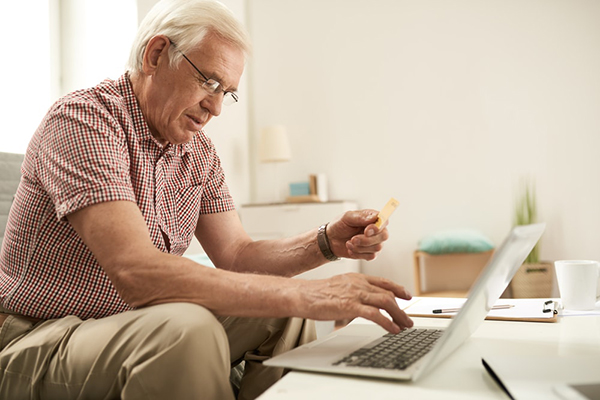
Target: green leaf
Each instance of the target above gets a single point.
(526, 213)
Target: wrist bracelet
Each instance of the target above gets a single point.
(323, 242)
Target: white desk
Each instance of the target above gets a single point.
(462, 375)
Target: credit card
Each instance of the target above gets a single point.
(386, 211)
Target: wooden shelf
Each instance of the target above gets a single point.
(310, 198)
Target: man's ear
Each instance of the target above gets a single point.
(155, 53)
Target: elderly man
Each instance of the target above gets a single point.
(96, 300)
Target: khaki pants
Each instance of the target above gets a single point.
(170, 351)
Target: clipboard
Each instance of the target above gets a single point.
(524, 310)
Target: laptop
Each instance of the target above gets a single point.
(365, 349)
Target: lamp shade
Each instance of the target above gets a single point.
(274, 144)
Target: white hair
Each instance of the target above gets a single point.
(186, 23)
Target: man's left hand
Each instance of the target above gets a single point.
(355, 235)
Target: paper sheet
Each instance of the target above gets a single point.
(523, 308)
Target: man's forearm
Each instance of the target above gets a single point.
(284, 257)
(167, 278)
(177, 279)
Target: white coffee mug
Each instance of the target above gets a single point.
(578, 283)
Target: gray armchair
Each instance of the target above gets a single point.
(10, 176)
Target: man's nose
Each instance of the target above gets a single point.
(213, 104)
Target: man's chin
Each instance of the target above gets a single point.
(181, 139)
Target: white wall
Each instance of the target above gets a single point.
(443, 105)
(55, 47)
(25, 68)
(89, 52)
(229, 132)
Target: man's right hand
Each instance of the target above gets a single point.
(354, 295)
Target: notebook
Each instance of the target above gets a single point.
(343, 351)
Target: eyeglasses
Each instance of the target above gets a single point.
(211, 86)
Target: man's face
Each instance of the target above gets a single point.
(176, 105)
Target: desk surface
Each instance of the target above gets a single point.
(462, 375)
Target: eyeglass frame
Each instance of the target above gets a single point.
(229, 97)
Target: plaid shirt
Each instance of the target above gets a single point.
(94, 146)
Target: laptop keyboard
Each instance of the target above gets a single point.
(393, 351)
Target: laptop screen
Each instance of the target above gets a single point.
(488, 288)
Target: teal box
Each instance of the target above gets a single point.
(299, 189)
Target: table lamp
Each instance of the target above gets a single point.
(274, 147)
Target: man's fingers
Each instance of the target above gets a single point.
(372, 230)
(362, 256)
(386, 301)
(370, 237)
(365, 249)
(357, 295)
(373, 314)
(359, 218)
(383, 283)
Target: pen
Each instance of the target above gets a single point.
(451, 310)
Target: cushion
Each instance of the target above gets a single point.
(455, 241)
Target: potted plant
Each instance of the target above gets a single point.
(535, 277)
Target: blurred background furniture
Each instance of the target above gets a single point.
(448, 262)
(534, 280)
(10, 176)
(447, 275)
